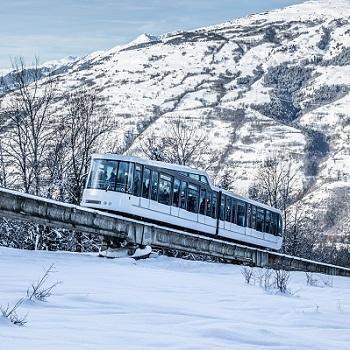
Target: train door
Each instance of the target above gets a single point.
(227, 213)
(202, 206)
(135, 184)
(164, 193)
(192, 205)
(221, 204)
(175, 205)
(146, 188)
(153, 204)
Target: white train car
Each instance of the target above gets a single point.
(179, 197)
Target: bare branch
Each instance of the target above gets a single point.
(10, 312)
(181, 143)
(38, 290)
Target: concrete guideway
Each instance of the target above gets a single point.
(21, 206)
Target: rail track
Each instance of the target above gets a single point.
(20, 206)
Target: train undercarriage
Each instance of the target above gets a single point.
(113, 248)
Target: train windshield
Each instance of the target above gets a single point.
(111, 175)
(103, 174)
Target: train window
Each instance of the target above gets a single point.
(214, 204)
(192, 198)
(228, 209)
(260, 215)
(234, 211)
(146, 180)
(183, 195)
(194, 176)
(274, 224)
(253, 217)
(136, 187)
(249, 214)
(122, 177)
(222, 207)
(202, 201)
(267, 221)
(154, 186)
(280, 226)
(176, 193)
(130, 177)
(208, 203)
(241, 211)
(204, 179)
(100, 174)
(165, 185)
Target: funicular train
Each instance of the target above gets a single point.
(178, 197)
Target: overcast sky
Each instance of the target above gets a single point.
(53, 29)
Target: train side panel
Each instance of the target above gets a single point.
(152, 210)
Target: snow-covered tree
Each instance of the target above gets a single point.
(27, 110)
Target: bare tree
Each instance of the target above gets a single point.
(28, 102)
(273, 185)
(57, 164)
(227, 179)
(84, 123)
(3, 162)
(301, 233)
(3, 167)
(153, 147)
(17, 148)
(185, 142)
(181, 143)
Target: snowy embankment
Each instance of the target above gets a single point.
(165, 303)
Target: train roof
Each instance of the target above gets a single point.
(182, 168)
(154, 163)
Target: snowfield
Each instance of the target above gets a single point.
(166, 303)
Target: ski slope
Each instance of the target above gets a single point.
(166, 303)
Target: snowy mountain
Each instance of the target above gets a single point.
(143, 39)
(270, 84)
(4, 71)
(50, 67)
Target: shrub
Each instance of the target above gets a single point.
(281, 280)
(247, 273)
(38, 290)
(10, 312)
(311, 280)
(263, 277)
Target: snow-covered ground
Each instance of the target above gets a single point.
(166, 303)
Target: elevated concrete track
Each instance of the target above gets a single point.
(22, 206)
